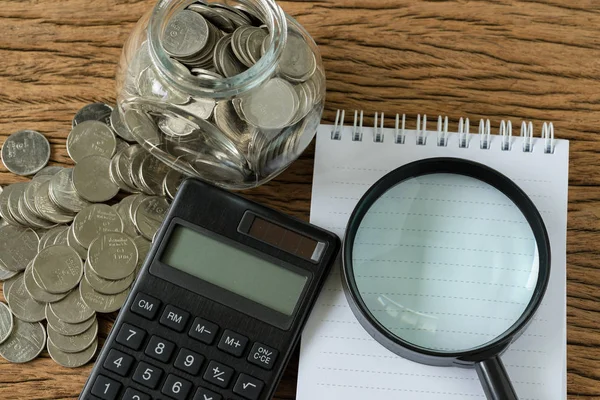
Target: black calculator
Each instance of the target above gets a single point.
(219, 305)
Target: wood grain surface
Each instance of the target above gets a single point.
(529, 59)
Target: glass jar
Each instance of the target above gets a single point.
(231, 108)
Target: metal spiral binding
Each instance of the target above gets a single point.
(485, 132)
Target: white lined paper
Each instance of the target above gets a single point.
(339, 360)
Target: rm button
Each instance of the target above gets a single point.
(263, 356)
(174, 318)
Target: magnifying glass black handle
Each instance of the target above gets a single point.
(495, 381)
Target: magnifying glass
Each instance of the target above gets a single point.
(445, 262)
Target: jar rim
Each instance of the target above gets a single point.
(275, 20)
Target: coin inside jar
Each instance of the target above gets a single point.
(272, 106)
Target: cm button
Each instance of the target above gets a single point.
(263, 356)
(146, 306)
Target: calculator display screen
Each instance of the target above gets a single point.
(234, 270)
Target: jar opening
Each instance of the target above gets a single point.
(273, 17)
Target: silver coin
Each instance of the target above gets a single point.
(32, 187)
(271, 106)
(47, 209)
(6, 322)
(186, 34)
(93, 112)
(119, 127)
(152, 175)
(72, 360)
(101, 302)
(6, 274)
(93, 221)
(49, 236)
(65, 328)
(25, 343)
(135, 203)
(106, 286)
(142, 127)
(33, 220)
(220, 21)
(11, 281)
(4, 211)
(74, 244)
(298, 61)
(113, 256)
(22, 305)
(237, 130)
(171, 183)
(114, 175)
(36, 292)
(13, 202)
(25, 152)
(228, 62)
(150, 215)
(124, 167)
(62, 238)
(72, 309)
(123, 211)
(198, 108)
(57, 269)
(74, 343)
(238, 44)
(254, 44)
(91, 178)
(91, 138)
(18, 246)
(63, 193)
(47, 171)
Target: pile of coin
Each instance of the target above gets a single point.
(64, 254)
(233, 142)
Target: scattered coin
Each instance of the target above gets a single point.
(47, 209)
(25, 152)
(22, 305)
(93, 112)
(48, 171)
(72, 360)
(101, 302)
(57, 269)
(106, 286)
(8, 283)
(6, 322)
(74, 343)
(150, 214)
(63, 194)
(66, 328)
(123, 210)
(72, 309)
(91, 178)
(36, 292)
(93, 221)
(18, 246)
(113, 256)
(25, 343)
(91, 138)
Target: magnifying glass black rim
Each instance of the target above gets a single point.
(453, 166)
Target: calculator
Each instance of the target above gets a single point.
(219, 304)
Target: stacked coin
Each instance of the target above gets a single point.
(65, 274)
(231, 141)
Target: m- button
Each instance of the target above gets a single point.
(146, 306)
(174, 318)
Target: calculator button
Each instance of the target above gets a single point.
(176, 388)
(205, 394)
(203, 331)
(132, 394)
(131, 336)
(263, 356)
(106, 388)
(189, 361)
(119, 363)
(248, 387)
(146, 306)
(233, 343)
(160, 349)
(174, 318)
(218, 374)
(147, 375)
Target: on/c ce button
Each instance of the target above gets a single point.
(263, 356)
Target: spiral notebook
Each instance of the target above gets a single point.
(339, 360)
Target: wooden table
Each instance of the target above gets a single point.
(527, 59)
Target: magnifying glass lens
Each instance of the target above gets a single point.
(445, 262)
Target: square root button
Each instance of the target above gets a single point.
(263, 356)
(248, 387)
